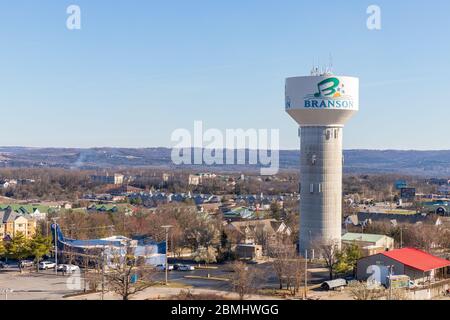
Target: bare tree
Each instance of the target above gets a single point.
(295, 274)
(128, 275)
(399, 294)
(329, 251)
(244, 279)
(360, 291)
(282, 255)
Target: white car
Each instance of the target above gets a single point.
(69, 268)
(161, 267)
(44, 265)
(186, 268)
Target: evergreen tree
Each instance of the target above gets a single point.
(2, 248)
(39, 247)
(18, 248)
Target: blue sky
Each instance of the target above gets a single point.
(139, 69)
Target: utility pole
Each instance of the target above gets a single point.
(166, 267)
(401, 237)
(56, 244)
(103, 273)
(306, 274)
(390, 282)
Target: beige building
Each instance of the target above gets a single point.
(12, 223)
(117, 178)
(195, 180)
(369, 243)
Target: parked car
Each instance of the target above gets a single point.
(185, 268)
(69, 268)
(3, 265)
(26, 264)
(44, 265)
(161, 267)
(176, 266)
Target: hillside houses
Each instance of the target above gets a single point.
(154, 199)
(37, 212)
(259, 202)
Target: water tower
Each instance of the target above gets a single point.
(321, 104)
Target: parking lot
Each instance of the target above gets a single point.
(46, 285)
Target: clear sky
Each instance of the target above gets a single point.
(139, 69)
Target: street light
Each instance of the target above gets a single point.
(56, 245)
(166, 228)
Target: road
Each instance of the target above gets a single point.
(268, 278)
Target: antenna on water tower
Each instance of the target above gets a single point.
(330, 67)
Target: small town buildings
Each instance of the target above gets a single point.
(35, 211)
(369, 243)
(238, 213)
(248, 251)
(197, 179)
(419, 266)
(260, 232)
(108, 179)
(166, 177)
(111, 208)
(8, 183)
(194, 180)
(211, 208)
(12, 223)
(123, 190)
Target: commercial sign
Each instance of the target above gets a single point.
(322, 92)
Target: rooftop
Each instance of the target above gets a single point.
(417, 259)
(366, 237)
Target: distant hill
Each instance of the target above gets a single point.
(425, 163)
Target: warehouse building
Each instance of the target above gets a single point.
(419, 266)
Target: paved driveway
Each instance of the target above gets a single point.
(33, 286)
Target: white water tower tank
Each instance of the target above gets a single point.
(321, 105)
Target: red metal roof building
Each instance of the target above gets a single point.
(417, 259)
(417, 264)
